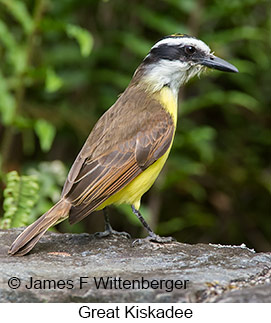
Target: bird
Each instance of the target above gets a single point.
(130, 143)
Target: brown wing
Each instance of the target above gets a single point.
(125, 141)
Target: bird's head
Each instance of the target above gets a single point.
(174, 59)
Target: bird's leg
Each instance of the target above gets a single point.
(152, 236)
(107, 225)
(108, 230)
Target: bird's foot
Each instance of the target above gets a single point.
(109, 231)
(154, 238)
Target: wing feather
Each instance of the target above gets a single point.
(117, 151)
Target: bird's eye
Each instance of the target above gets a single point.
(189, 50)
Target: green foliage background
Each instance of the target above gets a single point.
(63, 63)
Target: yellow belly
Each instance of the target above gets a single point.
(131, 194)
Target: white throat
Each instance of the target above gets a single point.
(169, 73)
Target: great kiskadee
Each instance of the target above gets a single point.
(130, 143)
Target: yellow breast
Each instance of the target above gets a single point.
(131, 194)
(169, 101)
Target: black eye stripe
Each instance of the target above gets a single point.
(174, 52)
(166, 52)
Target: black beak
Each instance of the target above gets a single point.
(218, 64)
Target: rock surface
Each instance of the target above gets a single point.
(215, 273)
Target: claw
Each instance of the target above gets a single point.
(154, 238)
(108, 233)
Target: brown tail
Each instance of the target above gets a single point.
(31, 235)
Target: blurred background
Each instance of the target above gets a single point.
(64, 63)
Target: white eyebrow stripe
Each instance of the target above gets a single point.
(183, 41)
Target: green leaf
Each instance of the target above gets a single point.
(82, 36)
(245, 100)
(7, 102)
(52, 81)
(201, 139)
(6, 37)
(16, 53)
(52, 176)
(20, 196)
(186, 6)
(136, 44)
(19, 11)
(160, 22)
(46, 133)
